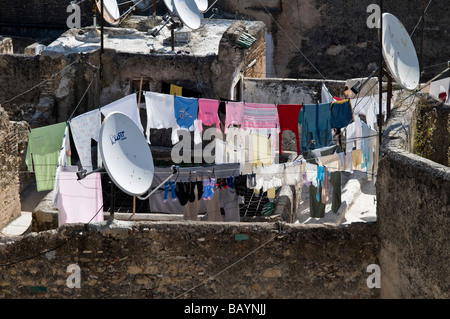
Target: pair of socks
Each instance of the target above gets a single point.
(230, 181)
(185, 191)
(208, 188)
(221, 184)
(169, 186)
(240, 184)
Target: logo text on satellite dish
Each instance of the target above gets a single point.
(119, 137)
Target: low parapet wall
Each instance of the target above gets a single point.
(413, 208)
(190, 260)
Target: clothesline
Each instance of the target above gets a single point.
(86, 126)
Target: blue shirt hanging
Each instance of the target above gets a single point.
(186, 109)
(341, 114)
(316, 127)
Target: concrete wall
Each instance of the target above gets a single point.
(334, 37)
(288, 91)
(413, 208)
(163, 260)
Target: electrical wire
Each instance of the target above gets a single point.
(50, 249)
(36, 86)
(84, 94)
(420, 19)
(225, 269)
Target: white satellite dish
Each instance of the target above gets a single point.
(202, 5)
(399, 53)
(189, 13)
(126, 155)
(169, 4)
(111, 13)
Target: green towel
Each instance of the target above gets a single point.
(44, 145)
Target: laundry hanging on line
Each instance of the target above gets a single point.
(43, 151)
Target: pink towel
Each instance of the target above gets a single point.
(261, 116)
(80, 201)
(234, 114)
(208, 113)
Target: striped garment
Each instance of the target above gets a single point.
(261, 116)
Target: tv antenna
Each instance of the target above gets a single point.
(189, 12)
(126, 157)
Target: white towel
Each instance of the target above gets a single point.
(84, 128)
(128, 106)
(160, 111)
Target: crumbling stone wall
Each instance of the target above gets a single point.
(413, 208)
(19, 85)
(191, 260)
(9, 172)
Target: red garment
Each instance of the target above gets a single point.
(288, 117)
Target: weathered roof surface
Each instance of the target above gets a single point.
(203, 41)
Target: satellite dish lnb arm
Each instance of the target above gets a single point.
(174, 171)
(356, 89)
(83, 173)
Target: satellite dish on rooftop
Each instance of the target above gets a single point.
(111, 13)
(169, 4)
(189, 13)
(202, 5)
(126, 157)
(125, 154)
(399, 53)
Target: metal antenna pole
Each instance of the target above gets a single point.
(113, 201)
(101, 37)
(380, 77)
